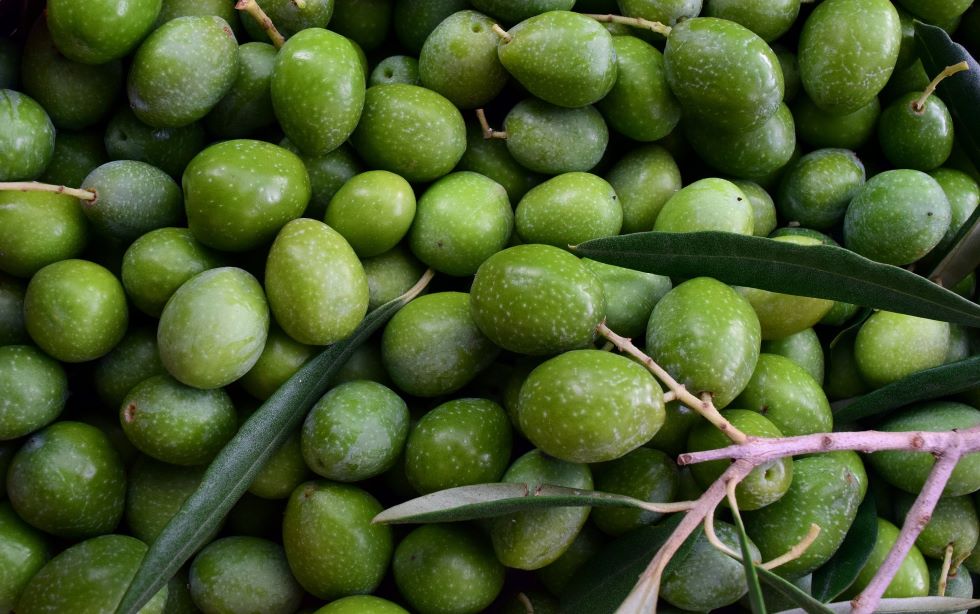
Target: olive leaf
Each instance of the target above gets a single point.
(791, 592)
(233, 469)
(756, 601)
(497, 499)
(934, 605)
(961, 93)
(822, 271)
(834, 576)
(605, 580)
(920, 386)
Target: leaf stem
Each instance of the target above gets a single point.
(260, 16)
(636, 22)
(418, 287)
(34, 186)
(488, 132)
(703, 406)
(918, 105)
(944, 573)
(796, 551)
(503, 34)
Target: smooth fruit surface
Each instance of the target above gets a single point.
(33, 390)
(890, 346)
(26, 137)
(788, 396)
(23, 551)
(100, 31)
(569, 209)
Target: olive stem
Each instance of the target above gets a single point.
(636, 22)
(503, 34)
(260, 16)
(917, 518)
(528, 606)
(34, 186)
(703, 406)
(488, 132)
(918, 105)
(944, 573)
(667, 508)
(419, 286)
(669, 396)
(796, 551)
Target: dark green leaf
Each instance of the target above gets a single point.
(234, 468)
(792, 592)
(961, 93)
(921, 386)
(935, 605)
(822, 271)
(840, 571)
(605, 581)
(756, 601)
(498, 499)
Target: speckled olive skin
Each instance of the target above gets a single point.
(155, 492)
(908, 470)
(433, 345)
(396, 69)
(569, 209)
(953, 521)
(491, 158)
(753, 154)
(411, 131)
(213, 328)
(100, 31)
(763, 208)
(90, 576)
(644, 179)
(68, 480)
(630, 296)
(281, 357)
(816, 189)
(667, 12)
(462, 219)
(38, 229)
(159, 262)
(172, 9)
(687, 585)
(723, 74)
(459, 60)
(317, 90)
(644, 473)
(12, 329)
(331, 545)
(788, 396)
(707, 336)
(912, 577)
(707, 204)
(327, 174)
(290, 17)
(803, 348)
(182, 70)
(549, 139)
(941, 12)
(963, 195)
(75, 95)
(75, 310)
(355, 431)
(589, 406)
(247, 106)
(537, 299)
(513, 11)
(819, 128)
(770, 19)
(316, 285)
(920, 140)
(890, 346)
(76, 154)
(535, 538)
(561, 57)
(283, 472)
(175, 423)
(640, 104)
(897, 217)
(26, 137)
(447, 568)
(33, 390)
(373, 211)
(361, 604)
(847, 51)
(414, 20)
(390, 275)
(243, 575)
(826, 490)
(767, 483)
(461, 442)
(23, 551)
(238, 194)
(169, 149)
(131, 199)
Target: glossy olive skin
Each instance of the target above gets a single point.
(33, 390)
(963, 195)
(723, 74)
(154, 494)
(753, 154)
(914, 137)
(373, 211)
(182, 70)
(786, 394)
(569, 209)
(644, 473)
(537, 299)
(953, 522)
(282, 356)
(550, 139)
(327, 174)
(290, 17)
(459, 60)
(847, 51)
(707, 204)
(390, 275)
(644, 179)
(491, 158)
(818, 128)
(100, 31)
(169, 149)
(630, 296)
(890, 346)
(803, 348)
(26, 137)
(132, 198)
(23, 551)
(912, 577)
(247, 106)
(816, 189)
(763, 208)
(770, 19)
(317, 90)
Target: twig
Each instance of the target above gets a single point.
(636, 22)
(488, 132)
(703, 406)
(419, 285)
(526, 602)
(796, 551)
(256, 12)
(669, 396)
(918, 105)
(34, 186)
(503, 34)
(714, 540)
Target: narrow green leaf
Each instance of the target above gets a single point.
(921, 386)
(234, 468)
(961, 93)
(792, 592)
(935, 605)
(605, 581)
(839, 572)
(822, 271)
(756, 601)
(497, 499)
